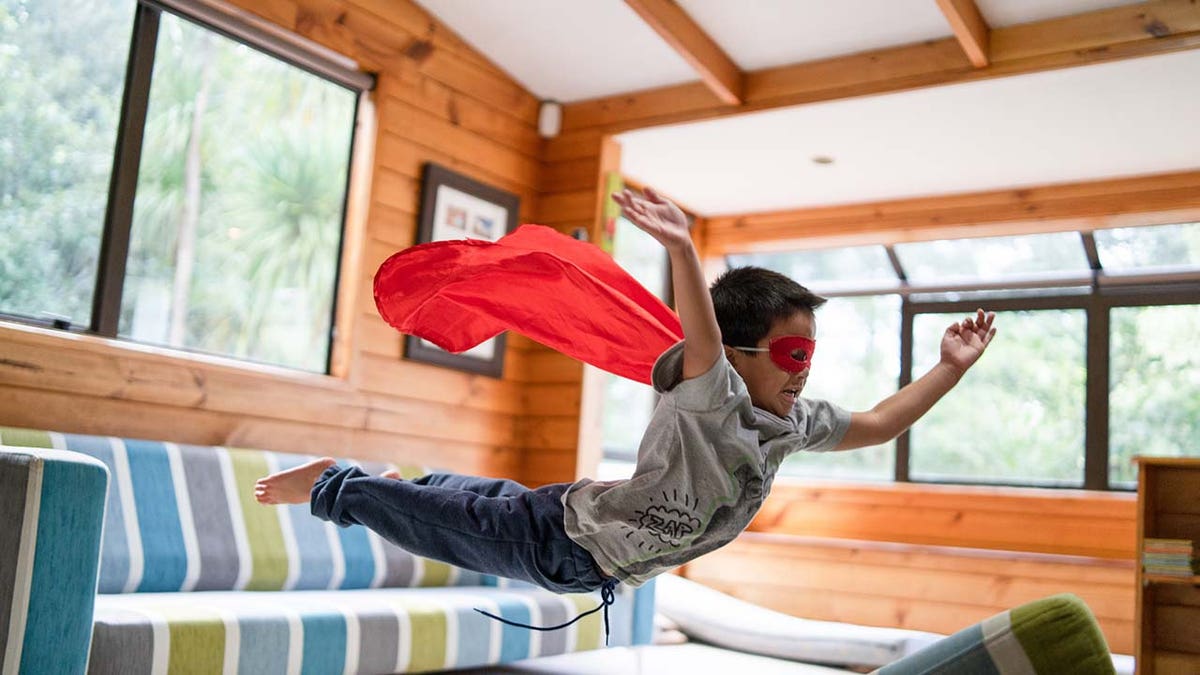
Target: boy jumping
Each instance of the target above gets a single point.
(730, 412)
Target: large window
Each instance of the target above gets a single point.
(1094, 362)
(172, 176)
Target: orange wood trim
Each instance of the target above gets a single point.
(1071, 522)
(969, 28)
(718, 72)
(940, 589)
(1142, 200)
(1104, 35)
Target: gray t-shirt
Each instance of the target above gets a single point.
(704, 467)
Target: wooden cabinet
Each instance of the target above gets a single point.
(1168, 607)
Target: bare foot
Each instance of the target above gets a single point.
(292, 486)
(392, 473)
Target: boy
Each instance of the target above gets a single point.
(730, 412)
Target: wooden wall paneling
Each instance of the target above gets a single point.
(577, 205)
(552, 399)
(452, 389)
(1068, 522)
(569, 145)
(285, 13)
(461, 110)
(383, 35)
(396, 190)
(563, 439)
(432, 131)
(415, 21)
(571, 175)
(541, 466)
(917, 587)
(542, 366)
(379, 339)
(547, 432)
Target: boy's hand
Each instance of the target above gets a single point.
(656, 216)
(964, 342)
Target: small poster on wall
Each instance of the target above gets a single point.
(454, 206)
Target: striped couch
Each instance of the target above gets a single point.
(129, 556)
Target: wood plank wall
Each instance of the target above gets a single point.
(934, 558)
(928, 588)
(437, 100)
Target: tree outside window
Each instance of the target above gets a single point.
(237, 218)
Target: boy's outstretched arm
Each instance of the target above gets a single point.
(962, 345)
(662, 220)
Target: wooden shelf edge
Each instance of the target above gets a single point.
(1193, 580)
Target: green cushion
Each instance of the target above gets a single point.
(1053, 636)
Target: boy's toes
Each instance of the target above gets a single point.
(391, 473)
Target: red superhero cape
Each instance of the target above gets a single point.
(563, 293)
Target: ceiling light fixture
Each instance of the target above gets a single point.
(822, 159)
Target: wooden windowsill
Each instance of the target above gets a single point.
(61, 339)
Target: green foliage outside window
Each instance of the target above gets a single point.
(62, 69)
(239, 208)
(238, 212)
(1154, 386)
(1018, 415)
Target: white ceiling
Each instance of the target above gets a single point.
(1123, 118)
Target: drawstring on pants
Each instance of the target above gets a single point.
(607, 597)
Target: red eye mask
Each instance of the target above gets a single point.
(792, 353)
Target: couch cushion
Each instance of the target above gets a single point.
(183, 517)
(1057, 635)
(51, 506)
(355, 631)
(710, 616)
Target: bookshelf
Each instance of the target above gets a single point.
(1168, 605)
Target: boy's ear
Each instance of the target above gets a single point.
(730, 353)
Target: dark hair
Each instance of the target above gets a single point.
(749, 300)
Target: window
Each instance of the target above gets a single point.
(1020, 416)
(993, 258)
(855, 366)
(1154, 386)
(228, 180)
(1095, 362)
(62, 66)
(627, 404)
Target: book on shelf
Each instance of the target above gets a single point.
(1169, 557)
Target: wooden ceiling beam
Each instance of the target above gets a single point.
(1128, 31)
(1117, 202)
(718, 72)
(970, 28)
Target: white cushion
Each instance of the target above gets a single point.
(710, 616)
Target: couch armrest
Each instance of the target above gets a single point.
(52, 510)
(1057, 635)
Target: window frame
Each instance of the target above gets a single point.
(257, 34)
(1096, 293)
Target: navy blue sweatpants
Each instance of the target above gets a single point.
(487, 525)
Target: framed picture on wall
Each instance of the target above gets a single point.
(454, 206)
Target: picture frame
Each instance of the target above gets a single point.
(454, 206)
